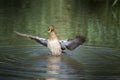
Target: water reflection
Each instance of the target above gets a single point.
(34, 63)
(53, 67)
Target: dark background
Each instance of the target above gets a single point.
(97, 20)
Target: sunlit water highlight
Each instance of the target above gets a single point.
(34, 63)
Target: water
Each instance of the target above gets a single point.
(97, 20)
(33, 62)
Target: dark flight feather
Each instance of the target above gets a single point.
(71, 44)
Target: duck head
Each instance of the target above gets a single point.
(51, 29)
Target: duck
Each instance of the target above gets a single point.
(55, 45)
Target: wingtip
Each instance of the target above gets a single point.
(16, 32)
(81, 38)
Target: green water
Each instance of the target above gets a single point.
(33, 63)
(24, 59)
(97, 20)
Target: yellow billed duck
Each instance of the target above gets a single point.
(56, 46)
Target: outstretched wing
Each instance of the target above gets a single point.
(42, 41)
(71, 44)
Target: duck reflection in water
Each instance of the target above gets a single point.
(54, 66)
(55, 45)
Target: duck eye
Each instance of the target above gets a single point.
(49, 30)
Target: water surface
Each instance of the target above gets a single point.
(33, 62)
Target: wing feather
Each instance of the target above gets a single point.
(71, 44)
(42, 41)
